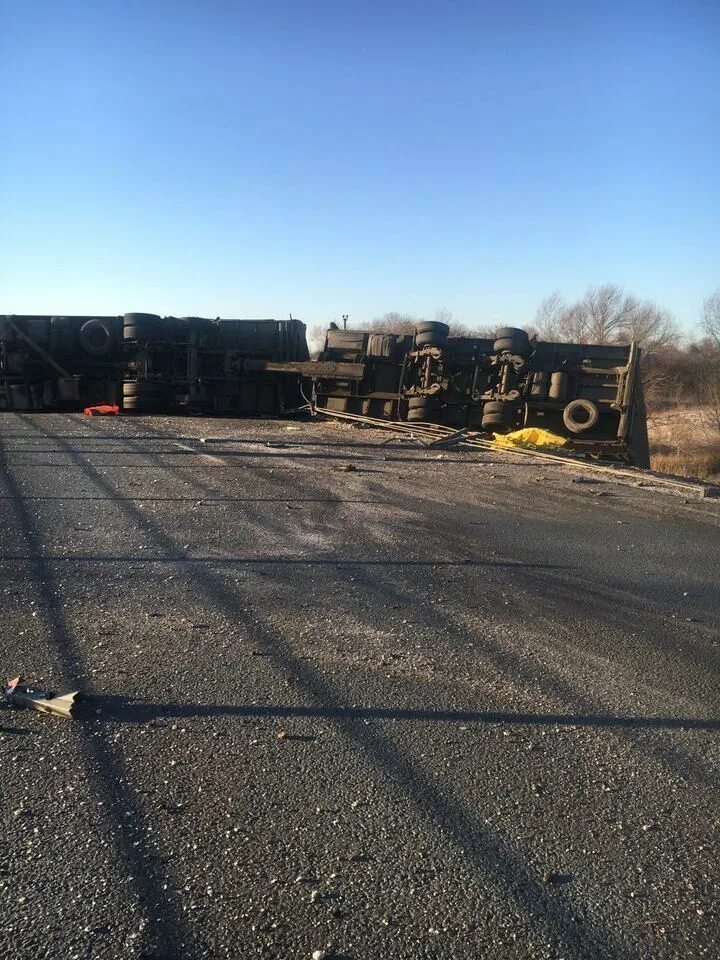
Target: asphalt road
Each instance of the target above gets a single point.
(440, 706)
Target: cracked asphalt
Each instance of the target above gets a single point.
(441, 705)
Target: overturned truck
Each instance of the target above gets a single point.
(591, 395)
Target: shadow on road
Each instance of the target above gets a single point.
(126, 710)
(492, 855)
(106, 771)
(571, 928)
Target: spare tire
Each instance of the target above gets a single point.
(512, 340)
(142, 326)
(423, 410)
(498, 417)
(580, 415)
(96, 338)
(431, 334)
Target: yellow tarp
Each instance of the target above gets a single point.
(534, 438)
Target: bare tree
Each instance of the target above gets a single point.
(711, 318)
(600, 316)
(443, 315)
(395, 322)
(607, 314)
(549, 315)
(460, 329)
(709, 366)
(709, 389)
(316, 339)
(480, 330)
(650, 326)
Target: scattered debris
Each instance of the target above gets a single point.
(612, 471)
(102, 410)
(449, 441)
(19, 694)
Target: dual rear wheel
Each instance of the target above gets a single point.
(140, 396)
(424, 410)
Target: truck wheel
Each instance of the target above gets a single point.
(498, 417)
(142, 326)
(580, 415)
(423, 410)
(142, 396)
(512, 340)
(431, 334)
(96, 338)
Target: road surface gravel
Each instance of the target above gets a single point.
(442, 705)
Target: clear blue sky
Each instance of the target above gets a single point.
(239, 159)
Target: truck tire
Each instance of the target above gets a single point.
(96, 338)
(431, 334)
(512, 340)
(142, 396)
(580, 415)
(498, 417)
(142, 326)
(423, 410)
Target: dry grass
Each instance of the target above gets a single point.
(683, 442)
(686, 463)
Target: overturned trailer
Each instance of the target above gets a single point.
(211, 366)
(144, 363)
(591, 395)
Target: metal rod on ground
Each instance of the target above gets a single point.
(451, 438)
(427, 430)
